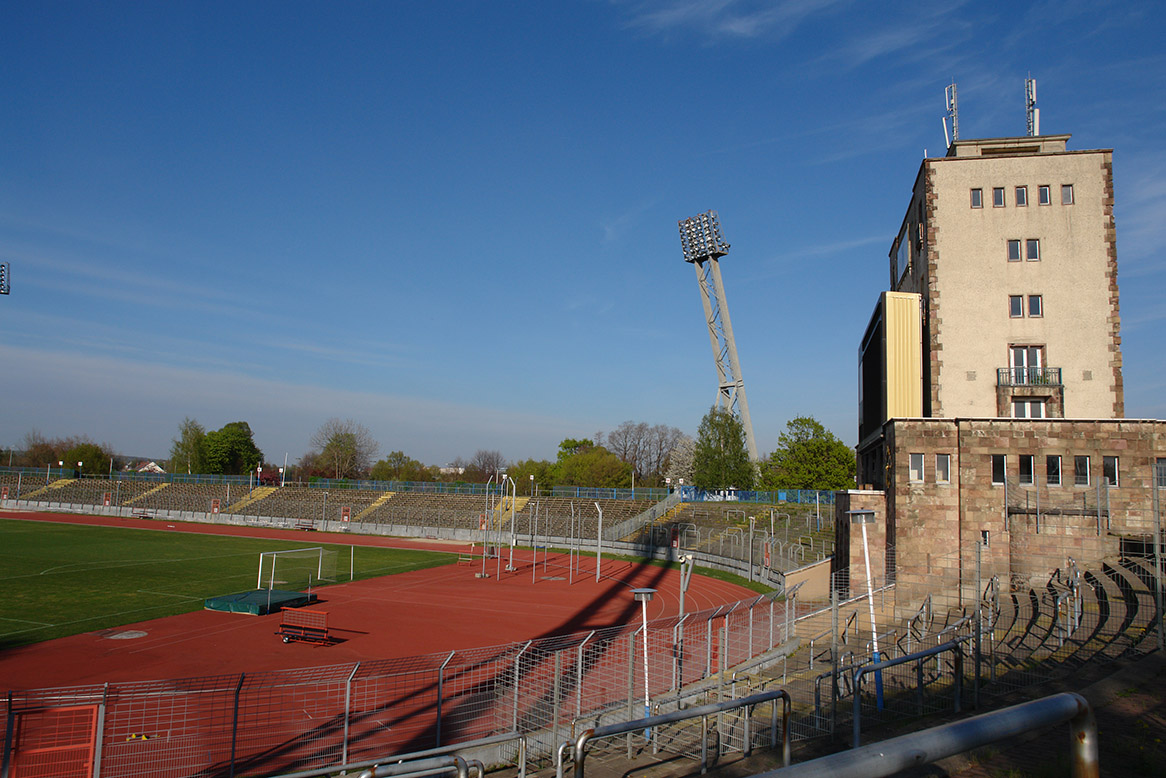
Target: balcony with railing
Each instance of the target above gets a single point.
(1028, 376)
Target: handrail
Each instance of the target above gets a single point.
(397, 759)
(433, 766)
(919, 656)
(888, 757)
(583, 741)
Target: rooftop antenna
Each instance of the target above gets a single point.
(953, 112)
(1030, 105)
(703, 246)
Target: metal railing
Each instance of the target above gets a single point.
(1028, 376)
(918, 658)
(889, 757)
(650, 723)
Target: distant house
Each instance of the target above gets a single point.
(149, 467)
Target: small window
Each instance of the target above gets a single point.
(1053, 470)
(998, 471)
(1035, 305)
(1028, 409)
(1032, 250)
(1026, 468)
(1021, 196)
(1014, 250)
(1016, 306)
(943, 468)
(1081, 470)
(1109, 470)
(998, 197)
(1043, 196)
(916, 465)
(1066, 194)
(977, 198)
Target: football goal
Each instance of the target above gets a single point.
(297, 568)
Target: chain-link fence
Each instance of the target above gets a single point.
(957, 628)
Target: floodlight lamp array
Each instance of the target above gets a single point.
(701, 238)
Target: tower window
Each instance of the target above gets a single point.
(1021, 196)
(1043, 196)
(1066, 194)
(977, 198)
(916, 468)
(942, 468)
(1016, 306)
(1109, 469)
(1014, 250)
(998, 197)
(1032, 250)
(1053, 470)
(998, 472)
(1026, 468)
(1081, 470)
(1035, 306)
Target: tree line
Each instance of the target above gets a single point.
(807, 456)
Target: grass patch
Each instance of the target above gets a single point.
(64, 579)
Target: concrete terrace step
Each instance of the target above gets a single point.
(378, 502)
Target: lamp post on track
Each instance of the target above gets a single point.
(643, 596)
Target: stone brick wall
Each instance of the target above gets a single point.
(932, 527)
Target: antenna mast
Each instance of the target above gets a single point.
(703, 246)
(953, 112)
(1030, 105)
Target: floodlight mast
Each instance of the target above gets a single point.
(703, 246)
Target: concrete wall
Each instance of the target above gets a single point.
(962, 271)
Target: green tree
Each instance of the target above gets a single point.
(94, 458)
(720, 459)
(809, 456)
(186, 451)
(572, 446)
(593, 466)
(231, 450)
(397, 466)
(542, 470)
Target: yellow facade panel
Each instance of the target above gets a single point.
(904, 339)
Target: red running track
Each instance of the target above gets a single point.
(408, 614)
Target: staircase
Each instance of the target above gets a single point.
(257, 494)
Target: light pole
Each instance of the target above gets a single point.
(79, 469)
(532, 484)
(643, 596)
(703, 245)
(864, 518)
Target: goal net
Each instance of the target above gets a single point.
(297, 568)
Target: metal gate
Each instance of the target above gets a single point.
(52, 742)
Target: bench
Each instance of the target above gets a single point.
(304, 625)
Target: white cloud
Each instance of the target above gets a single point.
(719, 19)
(136, 408)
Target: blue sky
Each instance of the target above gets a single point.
(455, 222)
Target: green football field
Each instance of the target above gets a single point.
(63, 579)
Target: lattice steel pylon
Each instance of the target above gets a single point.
(704, 245)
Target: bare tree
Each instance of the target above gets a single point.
(487, 463)
(645, 448)
(347, 447)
